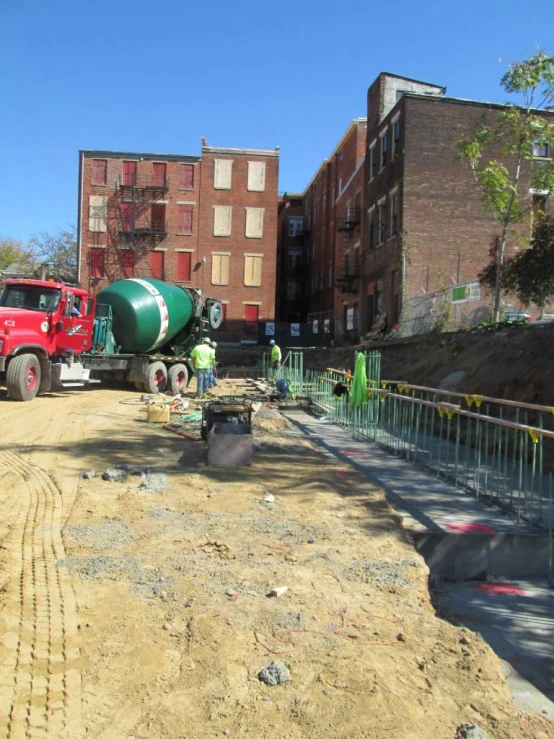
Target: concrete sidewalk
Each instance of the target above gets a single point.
(461, 537)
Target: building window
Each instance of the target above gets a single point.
(184, 260)
(541, 149)
(127, 216)
(253, 270)
(157, 259)
(127, 263)
(370, 228)
(99, 171)
(254, 227)
(185, 219)
(222, 220)
(159, 174)
(372, 162)
(394, 214)
(321, 279)
(315, 215)
(223, 174)
(294, 257)
(97, 263)
(220, 269)
(539, 206)
(157, 215)
(395, 137)
(98, 214)
(381, 221)
(296, 226)
(384, 148)
(293, 289)
(186, 177)
(256, 177)
(129, 173)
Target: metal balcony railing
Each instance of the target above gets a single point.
(151, 182)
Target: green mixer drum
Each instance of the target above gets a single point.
(147, 313)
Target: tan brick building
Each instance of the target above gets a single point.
(206, 221)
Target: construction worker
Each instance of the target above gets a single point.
(212, 381)
(202, 358)
(275, 356)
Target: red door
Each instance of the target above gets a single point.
(157, 264)
(251, 313)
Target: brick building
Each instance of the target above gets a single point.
(206, 221)
(425, 228)
(292, 260)
(331, 201)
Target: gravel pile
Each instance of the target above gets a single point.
(382, 572)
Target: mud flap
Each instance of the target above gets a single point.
(45, 376)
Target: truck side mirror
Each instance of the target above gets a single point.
(59, 325)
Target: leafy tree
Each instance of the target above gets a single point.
(11, 250)
(496, 154)
(58, 250)
(530, 274)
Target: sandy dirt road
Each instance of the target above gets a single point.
(139, 608)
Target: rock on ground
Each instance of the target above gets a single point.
(275, 674)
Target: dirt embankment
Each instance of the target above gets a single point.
(514, 363)
(129, 609)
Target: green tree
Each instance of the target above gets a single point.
(530, 274)
(58, 250)
(496, 154)
(11, 250)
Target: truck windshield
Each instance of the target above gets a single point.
(30, 297)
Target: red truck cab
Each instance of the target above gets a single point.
(42, 324)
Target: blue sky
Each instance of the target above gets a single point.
(156, 77)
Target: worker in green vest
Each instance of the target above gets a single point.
(202, 358)
(275, 356)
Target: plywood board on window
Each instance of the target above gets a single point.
(254, 223)
(256, 176)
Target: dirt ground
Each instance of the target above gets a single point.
(140, 609)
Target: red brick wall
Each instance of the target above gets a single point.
(203, 196)
(236, 293)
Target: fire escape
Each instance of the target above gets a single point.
(348, 269)
(141, 220)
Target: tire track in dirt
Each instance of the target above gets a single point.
(40, 678)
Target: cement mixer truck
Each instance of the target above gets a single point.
(138, 330)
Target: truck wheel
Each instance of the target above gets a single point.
(23, 377)
(178, 379)
(139, 386)
(155, 379)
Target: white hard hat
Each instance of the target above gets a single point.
(214, 344)
(206, 340)
(272, 342)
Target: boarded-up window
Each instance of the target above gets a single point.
(184, 266)
(253, 270)
(186, 176)
(185, 219)
(99, 170)
(97, 262)
(256, 176)
(129, 173)
(254, 223)
(159, 174)
(98, 213)
(220, 269)
(157, 264)
(251, 314)
(223, 174)
(157, 211)
(127, 261)
(127, 214)
(222, 220)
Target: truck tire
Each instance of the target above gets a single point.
(155, 379)
(178, 379)
(23, 377)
